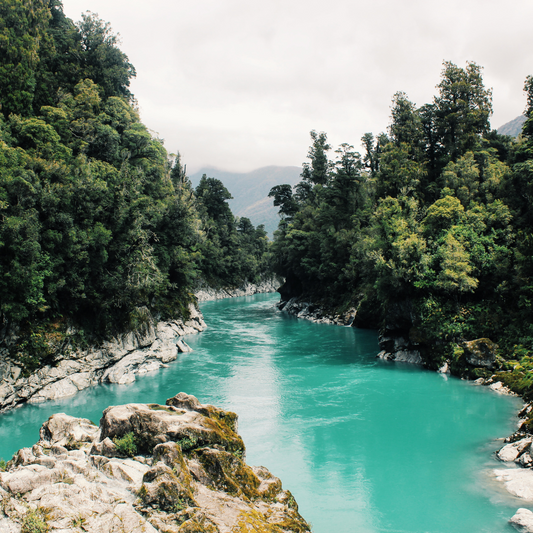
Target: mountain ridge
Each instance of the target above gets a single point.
(250, 190)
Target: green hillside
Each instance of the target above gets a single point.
(100, 229)
(429, 234)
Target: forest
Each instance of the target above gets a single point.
(435, 216)
(99, 224)
(101, 228)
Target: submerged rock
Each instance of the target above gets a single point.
(517, 481)
(150, 468)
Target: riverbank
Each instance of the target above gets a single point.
(178, 467)
(118, 360)
(206, 293)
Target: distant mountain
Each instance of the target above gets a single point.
(512, 128)
(250, 191)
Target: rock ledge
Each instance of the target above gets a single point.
(174, 468)
(116, 361)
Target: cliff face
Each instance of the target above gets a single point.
(176, 468)
(115, 361)
(206, 293)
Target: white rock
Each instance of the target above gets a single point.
(183, 346)
(7, 526)
(60, 389)
(523, 520)
(525, 460)
(512, 451)
(82, 380)
(126, 470)
(25, 479)
(444, 368)
(518, 481)
(61, 430)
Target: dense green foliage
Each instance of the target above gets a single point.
(436, 214)
(99, 226)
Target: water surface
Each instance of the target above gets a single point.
(364, 445)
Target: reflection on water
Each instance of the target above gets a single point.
(364, 445)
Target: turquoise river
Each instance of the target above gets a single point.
(364, 445)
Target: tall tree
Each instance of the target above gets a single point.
(463, 108)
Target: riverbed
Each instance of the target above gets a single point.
(365, 445)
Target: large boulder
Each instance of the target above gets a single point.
(155, 424)
(190, 477)
(64, 430)
(523, 520)
(480, 353)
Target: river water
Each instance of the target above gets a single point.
(364, 445)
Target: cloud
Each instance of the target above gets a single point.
(239, 84)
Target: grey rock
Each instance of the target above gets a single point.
(117, 361)
(525, 460)
(155, 492)
(67, 431)
(510, 452)
(523, 520)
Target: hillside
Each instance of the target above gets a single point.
(99, 231)
(512, 128)
(250, 191)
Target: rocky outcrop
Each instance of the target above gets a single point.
(176, 468)
(480, 353)
(115, 361)
(518, 481)
(397, 338)
(205, 293)
(303, 308)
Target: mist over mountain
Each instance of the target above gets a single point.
(512, 128)
(250, 191)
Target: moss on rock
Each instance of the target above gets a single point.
(229, 473)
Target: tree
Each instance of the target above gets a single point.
(317, 172)
(462, 109)
(283, 198)
(406, 125)
(102, 60)
(23, 30)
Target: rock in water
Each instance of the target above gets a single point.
(523, 520)
(176, 468)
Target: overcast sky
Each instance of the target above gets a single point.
(238, 84)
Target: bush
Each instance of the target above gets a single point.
(126, 445)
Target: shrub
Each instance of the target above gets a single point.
(126, 445)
